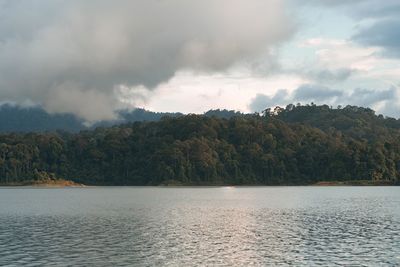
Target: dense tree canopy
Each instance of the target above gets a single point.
(292, 145)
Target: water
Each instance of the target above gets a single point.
(268, 226)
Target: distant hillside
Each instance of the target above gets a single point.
(223, 113)
(35, 119)
(325, 117)
(296, 145)
(139, 114)
(354, 121)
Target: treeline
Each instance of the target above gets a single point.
(295, 145)
(14, 118)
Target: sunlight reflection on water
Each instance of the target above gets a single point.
(226, 226)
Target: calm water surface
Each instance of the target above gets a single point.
(267, 226)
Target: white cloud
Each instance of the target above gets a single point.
(335, 58)
(338, 54)
(196, 93)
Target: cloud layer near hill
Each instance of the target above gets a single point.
(72, 56)
(384, 101)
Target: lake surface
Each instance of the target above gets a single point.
(223, 226)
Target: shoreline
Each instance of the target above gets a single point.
(356, 183)
(60, 183)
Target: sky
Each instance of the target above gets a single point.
(94, 57)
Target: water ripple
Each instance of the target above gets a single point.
(185, 227)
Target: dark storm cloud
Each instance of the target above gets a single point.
(70, 56)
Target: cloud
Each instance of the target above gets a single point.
(376, 9)
(383, 34)
(261, 101)
(310, 92)
(383, 101)
(70, 55)
(342, 57)
(334, 61)
(359, 9)
(334, 2)
(368, 97)
(341, 61)
(89, 104)
(329, 75)
(379, 22)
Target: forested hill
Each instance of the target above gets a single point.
(36, 119)
(324, 117)
(292, 145)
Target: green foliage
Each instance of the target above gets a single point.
(292, 145)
